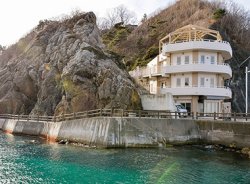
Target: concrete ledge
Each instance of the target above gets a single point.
(111, 132)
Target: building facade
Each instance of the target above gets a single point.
(190, 65)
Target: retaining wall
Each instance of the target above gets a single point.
(135, 132)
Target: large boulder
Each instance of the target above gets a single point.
(63, 67)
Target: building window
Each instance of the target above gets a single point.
(186, 81)
(202, 59)
(178, 82)
(212, 82)
(178, 60)
(186, 59)
(212, 59)
(202, 82)
(162, 85)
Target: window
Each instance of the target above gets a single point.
(179, 60)
(212, 60)
(178, 82)
(202, 82)
(202, 59)
(212, 82)
(186, 81)
(186, 59)
(162, 85)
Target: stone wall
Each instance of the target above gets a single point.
(135, 132)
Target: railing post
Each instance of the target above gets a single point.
(234, 116)
(112, 112)
(158, 115)
(37, 118)
(139, 113)
(175, 115)
(197, 115)
(214, 115)
(63, 118)
(122, 112)
(18, 117)
(100, 112)
(74, 115)
(192, 113)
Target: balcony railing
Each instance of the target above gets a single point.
(203, 44)
(147, 71)
(198, 66)
(220, 91)
(195, 66)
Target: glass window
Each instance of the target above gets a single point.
(186, 59)
(202, 82)
(202, 59)
(186, 81)
(212, 60)
(211, 82)
(178, 82)
(178, 60)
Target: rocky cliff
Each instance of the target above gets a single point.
(61, 67)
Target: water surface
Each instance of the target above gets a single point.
(32, 160)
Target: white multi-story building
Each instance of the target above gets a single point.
(191, 67)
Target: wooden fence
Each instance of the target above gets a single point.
(131, 114)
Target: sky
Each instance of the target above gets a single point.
(18, 17)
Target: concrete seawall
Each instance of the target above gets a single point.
(134, 132)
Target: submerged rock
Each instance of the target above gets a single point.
(63, 141)
(246, 151)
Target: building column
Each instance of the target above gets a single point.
(194, 105)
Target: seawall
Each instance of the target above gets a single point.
(134, 132)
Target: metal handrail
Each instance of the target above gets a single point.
(128, 113)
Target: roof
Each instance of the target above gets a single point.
(191, 32)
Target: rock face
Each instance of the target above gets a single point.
(64, 68)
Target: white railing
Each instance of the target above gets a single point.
(215, 45)
(197, 40)
(220, 91)
(195, 66)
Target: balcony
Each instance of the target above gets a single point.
(154, 71)
(145, 72)
(199, 91)
(204, 44)
(198, 67)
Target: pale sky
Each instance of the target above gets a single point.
(18, 17)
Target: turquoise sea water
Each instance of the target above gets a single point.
(31, 160)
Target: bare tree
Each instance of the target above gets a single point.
(103, 23)
(117, 15)
(2, 48)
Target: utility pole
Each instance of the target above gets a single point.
(246, 89)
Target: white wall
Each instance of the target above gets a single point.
(207, 77)
(154, 61)
(182, 77)
(207, 57)
(153, 86)
(190, 54)
(158, 102)
(182, 55)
